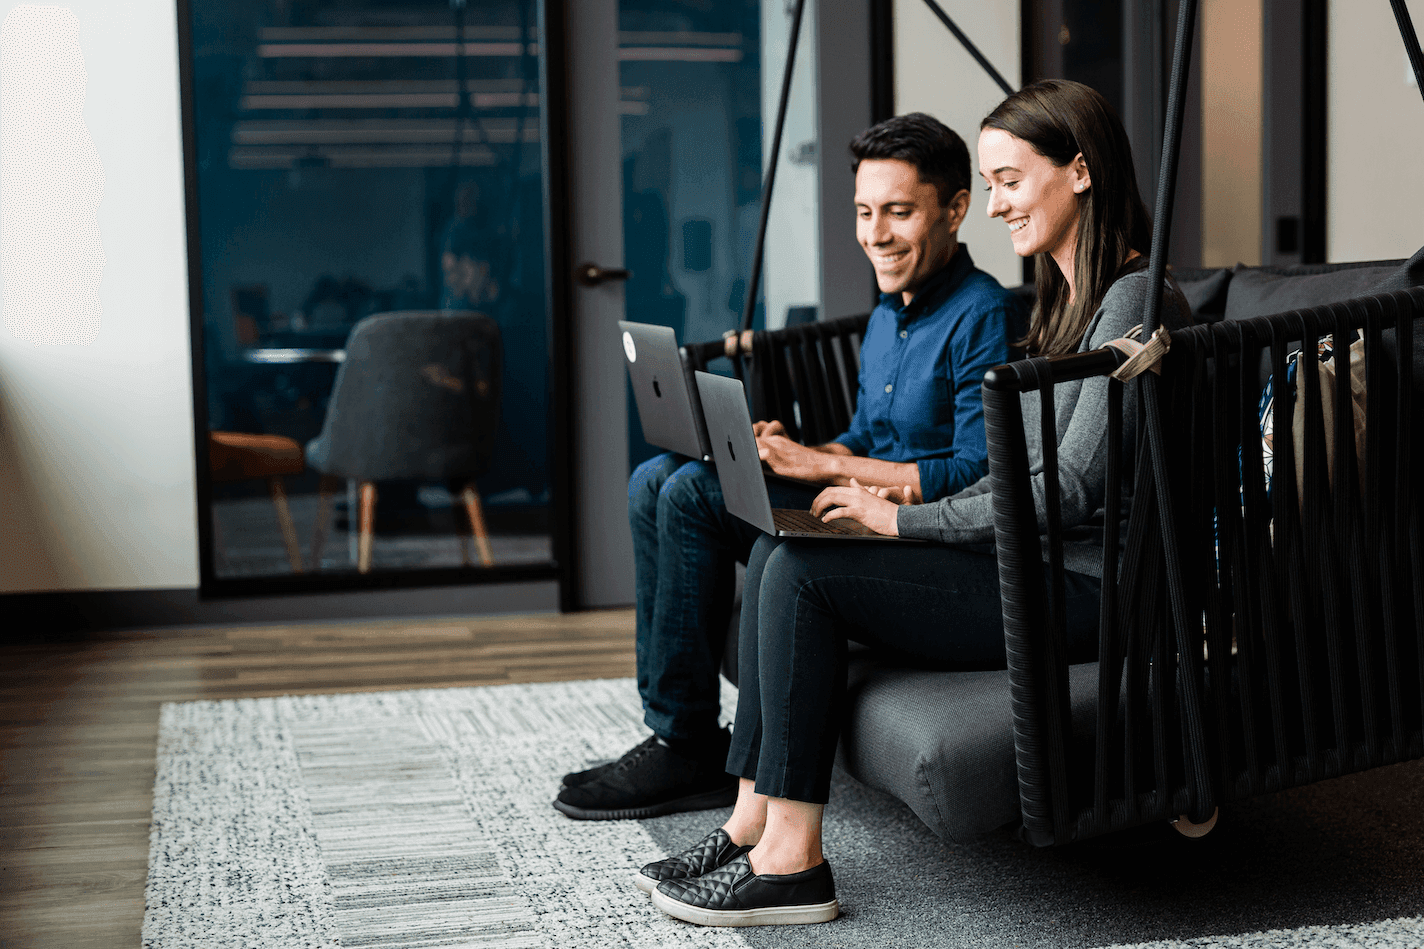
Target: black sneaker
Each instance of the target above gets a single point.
(709, 853)
(652, 780)
(733, 895)
(574, 778)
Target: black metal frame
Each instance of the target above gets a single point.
(554, 119)
(882, 60)
(1314, 172)
(1306, 660)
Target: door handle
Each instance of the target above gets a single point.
(591, 275)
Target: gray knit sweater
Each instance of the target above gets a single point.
(1081, 407)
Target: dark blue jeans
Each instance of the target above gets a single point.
(685, 548)
(804, 599)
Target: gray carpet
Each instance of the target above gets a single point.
(422, 818)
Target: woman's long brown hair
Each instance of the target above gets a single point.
(1060, 119)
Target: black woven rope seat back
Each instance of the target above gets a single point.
(1307, 587)
(806, 376)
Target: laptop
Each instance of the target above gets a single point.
(664, 391)
(739, 468)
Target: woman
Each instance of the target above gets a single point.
(1058, 169)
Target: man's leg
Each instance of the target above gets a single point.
(682, 766)
(699, 544)
(644, 486)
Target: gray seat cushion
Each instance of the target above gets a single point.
(943, 742)
(1206, 292)
(1407, 275)
(1260, 293)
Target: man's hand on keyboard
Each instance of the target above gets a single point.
(792, 460)
(858, 503)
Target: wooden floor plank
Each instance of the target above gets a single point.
(79, 726)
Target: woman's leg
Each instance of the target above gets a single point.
(745, 750)
(936, 603)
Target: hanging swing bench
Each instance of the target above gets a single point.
(1261, 623)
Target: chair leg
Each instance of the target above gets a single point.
(323, 517)
(284, 521)
(219, 545)
(368, 522)
(477, 524)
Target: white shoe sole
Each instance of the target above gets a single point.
(645, 883)
(766, 916)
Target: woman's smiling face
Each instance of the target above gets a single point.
(1037, 199)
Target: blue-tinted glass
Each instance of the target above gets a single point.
(362, 157)
(690, 77)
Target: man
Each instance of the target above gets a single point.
(918, 427)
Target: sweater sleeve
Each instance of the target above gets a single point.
(1081, 426)
(980, 344)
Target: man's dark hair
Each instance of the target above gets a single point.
(937, 153)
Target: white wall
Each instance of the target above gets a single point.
(1375, 124)
(934, 74)
(96, 447)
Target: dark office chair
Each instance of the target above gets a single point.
(417, 398)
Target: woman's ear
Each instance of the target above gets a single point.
(1082, 178)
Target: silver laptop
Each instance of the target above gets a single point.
(729, 425)
(664, 391)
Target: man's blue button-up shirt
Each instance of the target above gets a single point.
(921, 365)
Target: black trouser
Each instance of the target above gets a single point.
(805, 598)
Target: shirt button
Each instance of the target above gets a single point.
(904, 334)
(888, 387)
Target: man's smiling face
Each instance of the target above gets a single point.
(905, 231)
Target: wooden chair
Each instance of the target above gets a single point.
(237, 456)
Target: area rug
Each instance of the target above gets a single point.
(423, 819)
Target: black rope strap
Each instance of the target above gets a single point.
(968, 44)
(1411, 41)
(1198, 774)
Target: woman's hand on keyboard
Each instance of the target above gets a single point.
(898, 495)
(858, 503)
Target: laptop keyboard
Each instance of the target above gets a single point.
(804, 522)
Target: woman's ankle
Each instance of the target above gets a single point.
(767, 857)
(744, 833)
(748, 820)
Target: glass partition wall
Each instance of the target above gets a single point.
(382, 308)
(375, 320)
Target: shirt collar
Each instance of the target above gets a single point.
(938, 288)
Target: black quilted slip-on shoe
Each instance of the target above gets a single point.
(574, 778)
(653, 780)
(709, 853)
(733, 895)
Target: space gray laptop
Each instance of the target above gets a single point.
(663, 389)
(739, 469)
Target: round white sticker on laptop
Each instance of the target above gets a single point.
(628, 346)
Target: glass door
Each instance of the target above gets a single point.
(670, 103)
